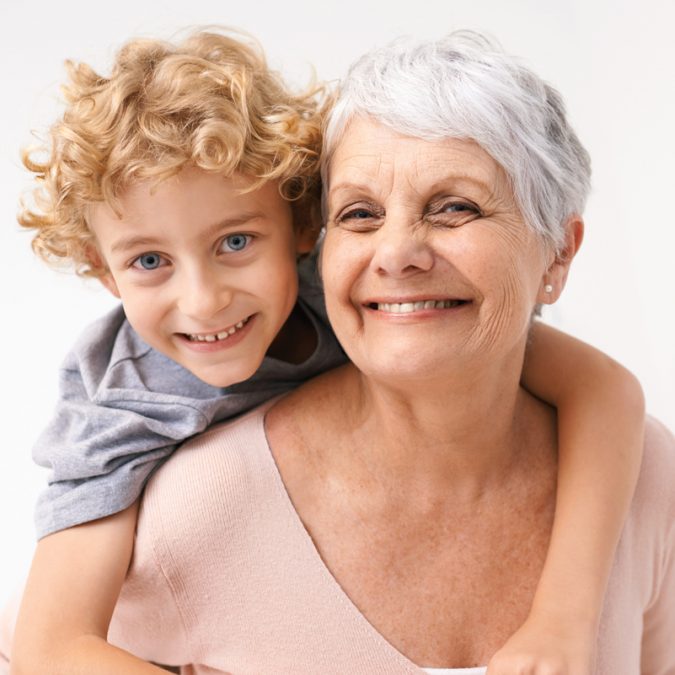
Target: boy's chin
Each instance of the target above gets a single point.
(225, 375)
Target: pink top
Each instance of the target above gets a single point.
(226, 578)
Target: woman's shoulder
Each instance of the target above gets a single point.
(638, 616)
(205, 517)
(320, 401)
(658, 464)
(653, 509)
(226, 465)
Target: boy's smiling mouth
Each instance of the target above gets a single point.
(217, 336)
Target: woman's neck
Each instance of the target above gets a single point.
(461, 432)
(467, 426)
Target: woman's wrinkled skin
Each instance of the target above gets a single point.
(438, 460)
(415, 220)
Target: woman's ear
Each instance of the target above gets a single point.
(554, 279)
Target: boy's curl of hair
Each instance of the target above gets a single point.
(209, 102)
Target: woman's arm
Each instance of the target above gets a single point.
(72, 588)
(600, 432)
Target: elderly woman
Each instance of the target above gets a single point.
(394, 514)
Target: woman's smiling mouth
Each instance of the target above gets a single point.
(414, 306)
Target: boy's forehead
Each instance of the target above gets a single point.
(189, 178)
(192, 198)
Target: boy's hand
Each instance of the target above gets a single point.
(546, 647)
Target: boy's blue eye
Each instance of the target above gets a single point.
(148, 261)
(236, 242)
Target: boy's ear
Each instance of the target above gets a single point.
(554, 279)
(107, 280)
(96, 262)
(307, 220)
(305, 239)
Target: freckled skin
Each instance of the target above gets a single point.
(445, 577)
(424, 473)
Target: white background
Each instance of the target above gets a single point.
(613, 61)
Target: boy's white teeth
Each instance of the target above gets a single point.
(407, 307)
(214, 337)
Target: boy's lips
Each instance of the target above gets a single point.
(219, 335)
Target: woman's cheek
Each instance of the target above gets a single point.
(503, 315)
(342, 263)
(504, 281)
(334, 283)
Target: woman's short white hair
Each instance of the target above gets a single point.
(465, 86)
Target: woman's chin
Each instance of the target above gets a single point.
(406, 368)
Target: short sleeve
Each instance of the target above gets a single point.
(99, 460)
(109, 431)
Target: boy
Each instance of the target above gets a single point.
(187, 182)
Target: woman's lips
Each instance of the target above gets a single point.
(408, 307)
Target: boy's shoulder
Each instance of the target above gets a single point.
(111, 360)
(111, 365)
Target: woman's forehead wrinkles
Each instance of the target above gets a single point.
(372, 159)
(360, 160)
(361, 171)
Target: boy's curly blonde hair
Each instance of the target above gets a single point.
(210, 102)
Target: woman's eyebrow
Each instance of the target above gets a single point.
(443, 183)
(347, 186)
(462, 180)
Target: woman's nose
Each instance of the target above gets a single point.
(401, 248)
(203, 294)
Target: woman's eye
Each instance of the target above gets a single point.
(148, 261)
(459, 208)
(359, 218)
(236, 242)
(356, 214)
(453, 214)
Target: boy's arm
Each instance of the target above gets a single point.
(600, 432)
(70, 595)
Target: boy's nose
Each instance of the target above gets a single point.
(202, 296)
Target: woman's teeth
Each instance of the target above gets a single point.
(215, 337)
(406, 307)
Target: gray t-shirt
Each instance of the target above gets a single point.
(124, 408)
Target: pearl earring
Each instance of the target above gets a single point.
(548, 288)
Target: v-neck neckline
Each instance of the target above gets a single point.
(331, 585)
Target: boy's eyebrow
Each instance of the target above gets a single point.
(123, 245)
